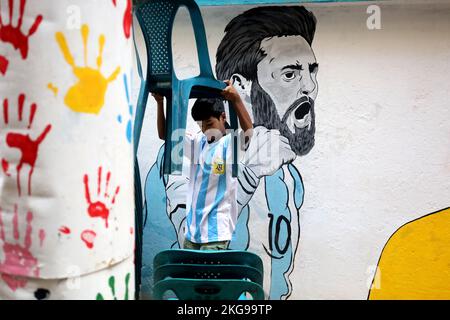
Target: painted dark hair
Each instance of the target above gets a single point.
(240, 52)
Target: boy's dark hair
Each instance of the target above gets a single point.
(203, 109)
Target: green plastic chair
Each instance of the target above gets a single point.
(208, 275)
(203, 271)
(208, 289)
(156, 19)
(208, 257)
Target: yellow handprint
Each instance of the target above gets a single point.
(88, 94)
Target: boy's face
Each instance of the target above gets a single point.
(213, 128)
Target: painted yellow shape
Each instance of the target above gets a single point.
(53, 88)
(415, 263)
(88, 94)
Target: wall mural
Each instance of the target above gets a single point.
(267, 53)
(414, 263)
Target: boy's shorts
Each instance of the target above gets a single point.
(218, 245)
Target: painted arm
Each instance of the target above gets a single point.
(267, 152)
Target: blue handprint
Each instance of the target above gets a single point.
(129, 128)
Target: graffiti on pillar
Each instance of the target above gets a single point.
(13, 34)
(42, 294)
(112, 287)
(18, 263)
(127, 18)
(129, 124)
(88, 94)
(101, 207)
(267, 53)
(19, 138)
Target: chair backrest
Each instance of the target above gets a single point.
(208, 275)
(156, 19)
(208, 271)
(208, 257)
(198, 257)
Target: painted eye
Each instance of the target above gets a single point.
(288, 76)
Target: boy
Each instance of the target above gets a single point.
(211, 203)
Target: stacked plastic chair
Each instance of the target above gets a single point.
(208, 275)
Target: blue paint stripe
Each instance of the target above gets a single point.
(213, 228)
(274, 2)
(199, 208)
(298, 187)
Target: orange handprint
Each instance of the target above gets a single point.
(19, 263)
(28, 147)
(13, 35)
(88, 94)
(99, 208)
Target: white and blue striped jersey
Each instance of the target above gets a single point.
(211, 204)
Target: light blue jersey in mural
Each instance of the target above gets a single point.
(267, 225)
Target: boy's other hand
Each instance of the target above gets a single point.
(158, 98)
(230, 93)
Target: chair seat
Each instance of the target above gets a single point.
(208, 271)
(204, 87)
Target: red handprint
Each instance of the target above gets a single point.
(19, 263)
(3, 64)
(99, 208)
(127, 18)
(88, 237)
(13, 35)
(28, 147)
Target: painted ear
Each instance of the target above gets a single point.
(242, 85)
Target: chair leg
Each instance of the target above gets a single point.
(175, 128)
(138, 227)
(140, 112)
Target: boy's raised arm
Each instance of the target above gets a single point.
(161, 119)
(231, 94)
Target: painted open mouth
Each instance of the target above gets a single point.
(299, 114)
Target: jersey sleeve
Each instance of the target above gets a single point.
(190, 147)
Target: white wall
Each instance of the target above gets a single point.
(382, 155)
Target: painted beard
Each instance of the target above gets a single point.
(297, 124)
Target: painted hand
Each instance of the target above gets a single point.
(127, 18)
(28, 147)
(88, 94)
(19, 263)
(129, 125)
(267, 152)
(99, 208)
(14, 35)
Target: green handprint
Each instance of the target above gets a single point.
(112, 285)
